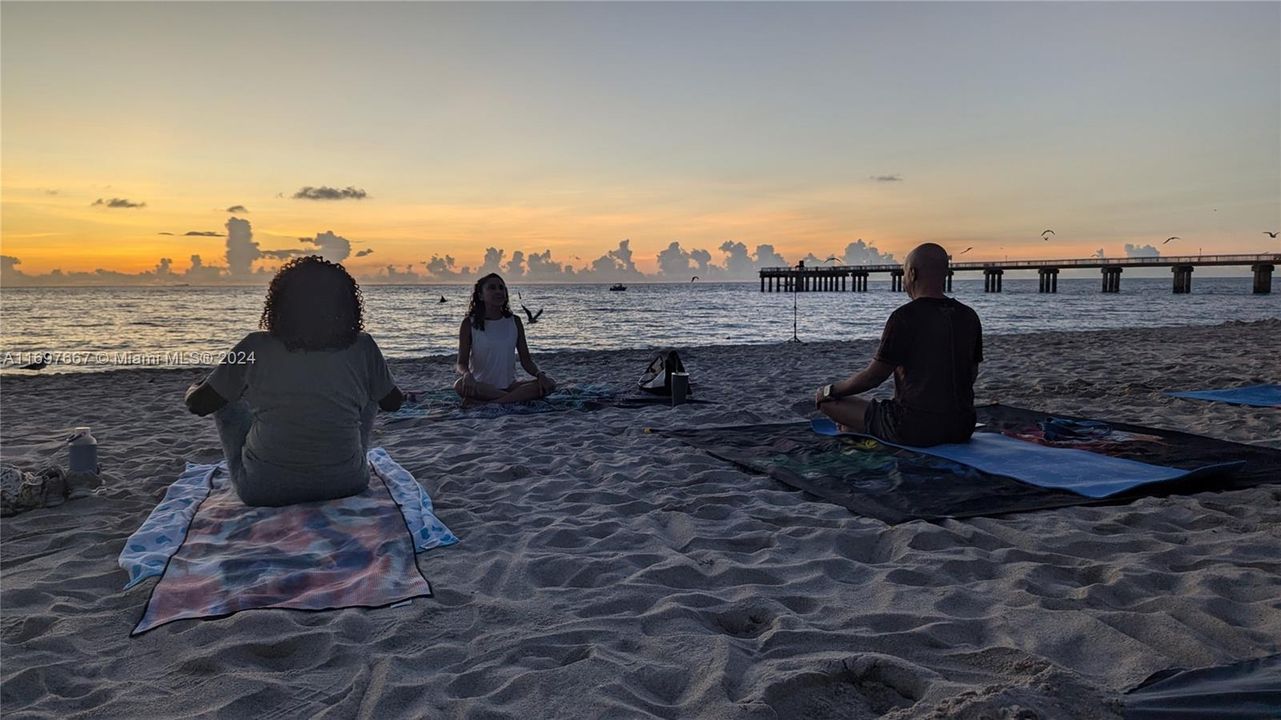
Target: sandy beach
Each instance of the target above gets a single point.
(606, 571)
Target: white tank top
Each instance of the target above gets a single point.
(493, 353)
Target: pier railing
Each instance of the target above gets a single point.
(802, 278)
(1162, 261)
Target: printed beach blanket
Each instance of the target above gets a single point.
(219, 556)
(897, 485)
(1254, 395)
(1094, 475)
(444, 404)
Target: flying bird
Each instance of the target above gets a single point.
(533, 316)
(693, 278)
(831, 259)
(1047, 230)
(966, 250)
(1270, 234)
(1172, 237)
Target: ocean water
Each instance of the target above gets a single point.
(95, 329)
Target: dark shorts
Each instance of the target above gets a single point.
(890, 421)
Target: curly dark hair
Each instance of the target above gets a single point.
(313, 304)
(476, 308)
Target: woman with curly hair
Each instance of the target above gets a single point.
(295, 403)
(489, 341)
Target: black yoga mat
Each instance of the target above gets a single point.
(897, 485)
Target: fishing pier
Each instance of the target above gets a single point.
(834, 278)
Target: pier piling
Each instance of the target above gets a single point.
(1049, 279)
(1112, 279)
(1182, 279)
(1262, 278)
(992, 279)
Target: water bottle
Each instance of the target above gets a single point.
(84, 451)
(680, 387)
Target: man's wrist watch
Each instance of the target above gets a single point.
(826, 394)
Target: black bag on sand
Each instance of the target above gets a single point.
(657, 378)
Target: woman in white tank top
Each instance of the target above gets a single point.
(490, 340)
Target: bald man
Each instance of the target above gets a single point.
(932, 346)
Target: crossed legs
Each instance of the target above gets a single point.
(848, 412)
(469, 388)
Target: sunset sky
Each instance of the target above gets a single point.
(447, 129)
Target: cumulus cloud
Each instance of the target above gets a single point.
(163, 271)
(241, 248)
(541, 266)
(366, 251)
(861, 253)
(673, 263)
(767, 257)
(1099, 253)
(702, 262)
(331, 247)
(624, 257)
(738, 261)
(887, 178)
(199, 271)
(516, 266)
(1136, 251)
(442, 268)
(9, 272)
(392, 275)
(118, 203)
(202, 233)
(678, 264)
(493, 262)
(237, 209)
(327, 193)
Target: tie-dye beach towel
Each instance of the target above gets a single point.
(354, 552)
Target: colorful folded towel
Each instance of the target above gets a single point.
(219, 556)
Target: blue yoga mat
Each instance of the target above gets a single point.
(1256, 395)
(1085, 473)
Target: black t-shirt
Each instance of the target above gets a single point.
(934, 344)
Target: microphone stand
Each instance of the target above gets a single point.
(796, 290)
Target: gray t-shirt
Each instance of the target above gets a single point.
(306, 406)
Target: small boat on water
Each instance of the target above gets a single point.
(619, 287)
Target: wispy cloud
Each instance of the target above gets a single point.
(202, 233)
(281, 254)
(328, 193)
(363, 253)
(164, 233)
(887, 178)
(118, 203)
(237, 209)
